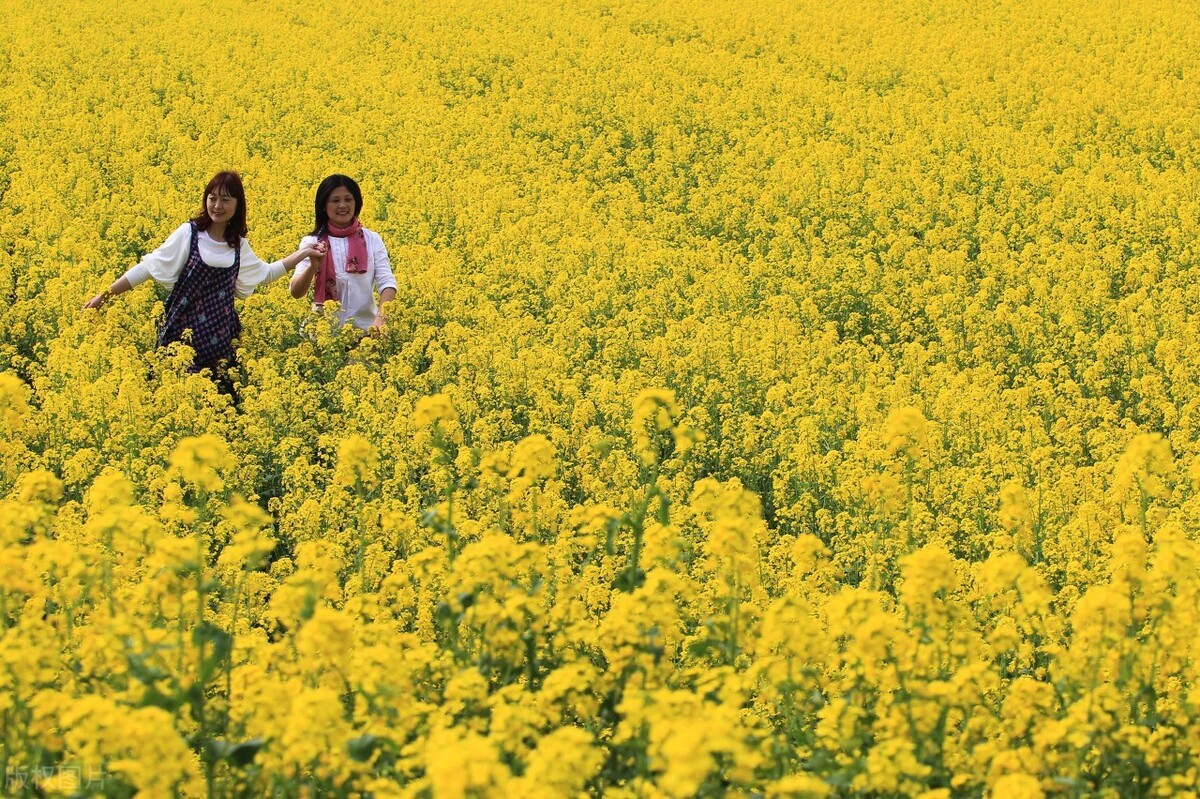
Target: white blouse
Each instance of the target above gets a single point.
(167, 262)
(356, 290)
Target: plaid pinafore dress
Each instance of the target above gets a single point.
(202, 301)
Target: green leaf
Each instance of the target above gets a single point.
(220, 644)
(703, 647)
(238, 755)
(664, 510)
(629, 579)
(445, 614)
(143, 671)
(156, 698)
(362, 747)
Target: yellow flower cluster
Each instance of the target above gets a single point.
(782, 399)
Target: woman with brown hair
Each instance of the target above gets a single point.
(205, 264)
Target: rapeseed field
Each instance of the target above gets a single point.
(780, 399)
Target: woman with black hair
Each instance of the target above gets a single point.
(204, 264)
(351, 262)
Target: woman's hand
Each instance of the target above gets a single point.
(316, 255)
(119, 287)
(312, 258)
(313, 254)
(385, 298)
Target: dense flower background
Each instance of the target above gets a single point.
(781, 399)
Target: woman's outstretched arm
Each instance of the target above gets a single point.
(254, 272)
(119, 286)
(163, 265)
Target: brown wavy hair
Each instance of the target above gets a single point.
(232, 184)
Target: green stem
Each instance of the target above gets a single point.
(237, 606)
(201, 714)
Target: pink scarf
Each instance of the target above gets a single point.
(356, 259)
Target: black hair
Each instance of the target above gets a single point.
(324, 190)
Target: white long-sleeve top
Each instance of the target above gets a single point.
(356, 290)
(167, 262)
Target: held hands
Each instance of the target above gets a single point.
(307, 260)
(316, 254)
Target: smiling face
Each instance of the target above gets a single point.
(340, 207)
(221, 205)
(223, 208)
